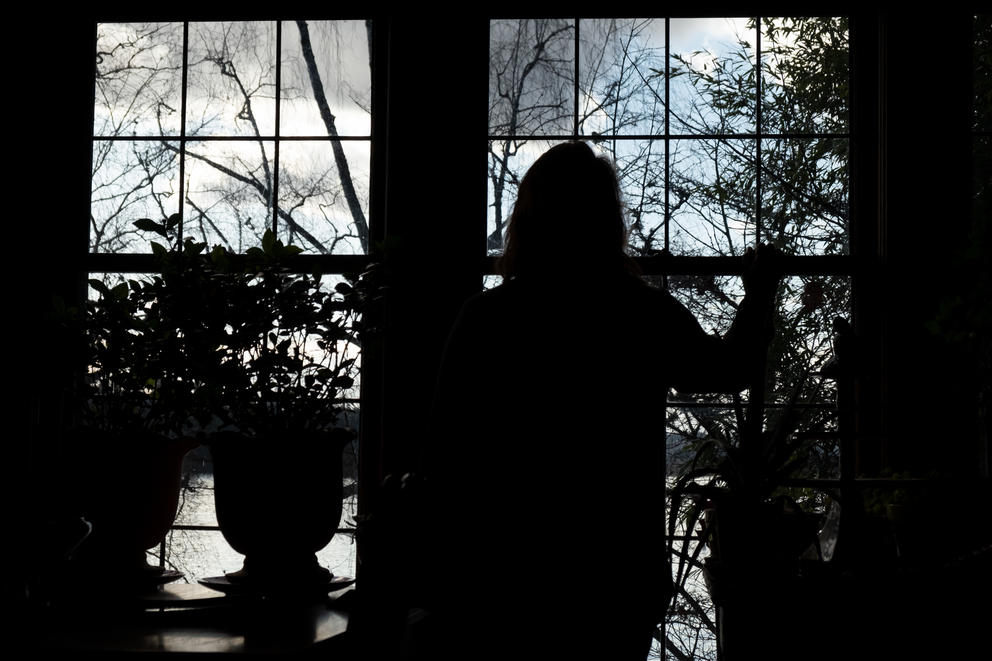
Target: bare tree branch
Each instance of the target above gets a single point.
(344, 171)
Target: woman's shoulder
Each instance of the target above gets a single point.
(635, 291)
(630, 292)
(496, 296)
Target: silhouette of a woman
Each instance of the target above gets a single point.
(549, 461)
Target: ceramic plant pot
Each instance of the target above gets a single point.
(278, 502)
(127, 486)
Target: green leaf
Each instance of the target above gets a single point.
(120, 291)
(269, 243)
(342, 382)
(149, 225)
(193, 247)
(99, 286)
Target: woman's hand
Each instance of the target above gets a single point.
(762, 270)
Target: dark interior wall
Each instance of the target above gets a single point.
(435, 198)
(926, 184)
(51, 119)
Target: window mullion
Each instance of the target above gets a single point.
(274, 193)
(668, 140)
(575, 106)
(757, 130)
(182, 135)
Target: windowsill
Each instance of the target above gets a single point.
(187, 618)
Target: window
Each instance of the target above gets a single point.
(240, 127)
(724, 132)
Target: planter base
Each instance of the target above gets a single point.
(278, 577)
(284, 578)
(278, 570)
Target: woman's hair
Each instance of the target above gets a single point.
(568, 209)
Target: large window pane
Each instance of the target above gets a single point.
(806, 309)
(339, 55)
(344, 356)
(821, 450)
(805, 75)
(690, 626)
(321, 209)
(713, 87)
(131, 180)
(689, 623)
(138, 79)
(640, 167)
(804, 195)
(531, 76)
(229, 187)
(712, 299)
(232, 74)
(622, 76)
(712, 196)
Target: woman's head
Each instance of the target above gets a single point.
(568, 208)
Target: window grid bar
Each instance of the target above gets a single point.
(231, 138)
(667, 264)
(145, 263)
(575, 86)
(666, 246)
(668, 140)
(205, 528)
(771, 405)
(673, 136)
(180, 234)
(162, 550)
(758, 136)
(274, 193)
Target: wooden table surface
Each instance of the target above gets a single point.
(180, 619)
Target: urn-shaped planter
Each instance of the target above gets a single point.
(127, 486)
(278, 502)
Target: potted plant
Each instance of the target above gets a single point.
(756, 535)
(277, 351)
(131, 412)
